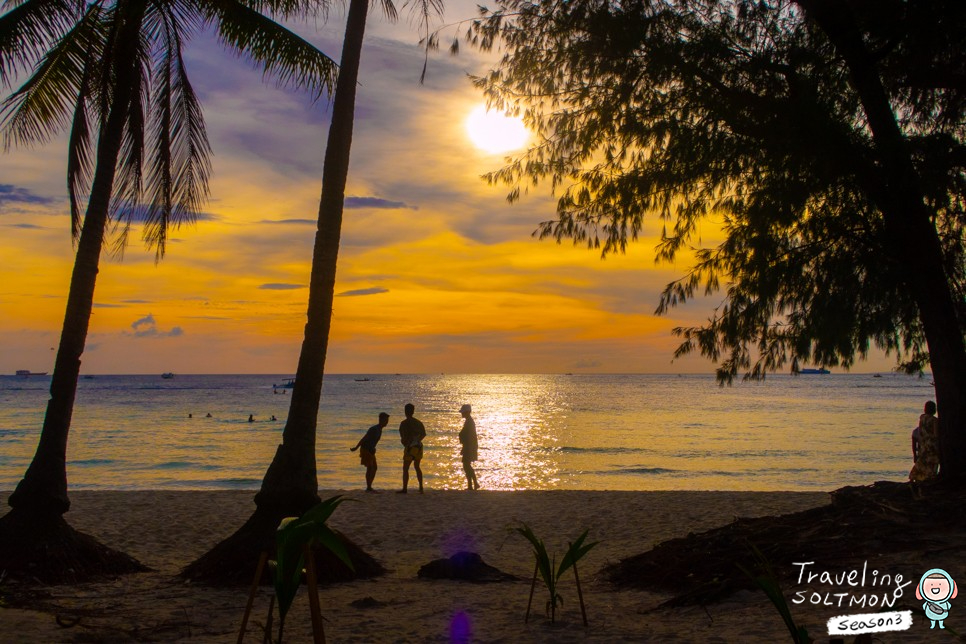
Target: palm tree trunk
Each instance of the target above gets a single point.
(290, 486)
(913, 238)
(291, 478)
(44, 486)
(34, 538)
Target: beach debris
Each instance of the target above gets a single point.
(367, 602)
(467, 566)
(885, 518)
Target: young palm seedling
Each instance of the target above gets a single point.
(551, 574)
(294, 541)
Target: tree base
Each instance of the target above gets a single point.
(232, 562)
(43, 548)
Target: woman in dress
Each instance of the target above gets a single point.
(470, 447)
(927, 462)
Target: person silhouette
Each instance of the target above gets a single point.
(367, 449)
(926, 466)
(411, 435)
(470, 447)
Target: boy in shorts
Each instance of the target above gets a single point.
(367, 449)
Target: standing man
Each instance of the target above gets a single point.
(367, 449)
(411, 434)
(471, 448)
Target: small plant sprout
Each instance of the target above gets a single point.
(294, 541)
(551, 574)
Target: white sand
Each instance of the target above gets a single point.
(167, 530)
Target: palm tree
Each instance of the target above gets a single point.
(115, 68)
(290, 486)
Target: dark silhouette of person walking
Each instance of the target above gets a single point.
(411, 434)
(367, 449)
(471, 447)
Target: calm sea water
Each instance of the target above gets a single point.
(595, 432)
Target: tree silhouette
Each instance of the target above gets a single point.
(290, 485)
(826, 135)
(114, 72)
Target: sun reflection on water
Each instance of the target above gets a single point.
(517, 419)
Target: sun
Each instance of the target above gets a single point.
(494, 132)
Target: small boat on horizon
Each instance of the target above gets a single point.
(363, 379)
(26, 373)
(167, 375)
(812, 372)
(288, 384)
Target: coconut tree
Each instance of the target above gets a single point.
(113, 72)
(290, 486)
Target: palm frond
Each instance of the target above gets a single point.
(423, 12)
(575, 553)
(44, 104)
(79, 149)
(180, 157)
(389, 9)
(290, 8)
(282, 55)
(126, 205)
(29, 28)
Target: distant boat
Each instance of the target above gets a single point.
(167, 375)
(288, 384)
(878, 375)
(362, 379)
(812, 372)
(26, 373)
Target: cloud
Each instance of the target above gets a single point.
(12, 195)
(138, 214)
(27, 226)
(301, 222)
(147, 327)
(375, 290)
(276, 286)
(376, 202)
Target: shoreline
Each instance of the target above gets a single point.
(166, 530)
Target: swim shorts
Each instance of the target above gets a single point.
(414, 453)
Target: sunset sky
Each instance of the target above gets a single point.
(437, 272)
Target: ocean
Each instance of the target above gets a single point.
(536, 432)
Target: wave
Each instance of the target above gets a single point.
(92, 462)
(185, 465)
(594, 450)
(638, 470)
(219, 484)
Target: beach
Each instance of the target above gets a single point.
(166, 530)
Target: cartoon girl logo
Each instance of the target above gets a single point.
(936, 588)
